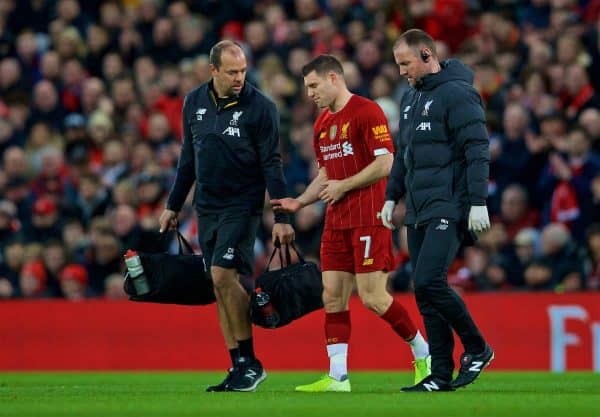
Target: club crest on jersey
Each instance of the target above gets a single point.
(235, 118)
(199, 113)
(345, 127)
(332, 132)
(426, 108)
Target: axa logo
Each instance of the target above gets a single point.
(229, 255)
(379, 130)
(235, 118)
(425, 111)
(232, 131)
(424, 126)
(347, 149)
(199, 113)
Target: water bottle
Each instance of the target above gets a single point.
(136, 272)
(266, 307)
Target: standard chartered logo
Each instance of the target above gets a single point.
(336, 150)
(347, 148)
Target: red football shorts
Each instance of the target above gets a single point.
(360, 250)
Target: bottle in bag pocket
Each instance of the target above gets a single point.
(269, 313)
(136, 272)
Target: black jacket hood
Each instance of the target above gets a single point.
(452, 70)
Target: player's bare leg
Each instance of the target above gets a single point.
(372, 290)
(337, 288)
(235, 323)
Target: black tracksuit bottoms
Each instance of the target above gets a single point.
(432, 248)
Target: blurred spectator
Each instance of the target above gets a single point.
(593, 266)
(45, 221)
(54, 258)
(565, 184)
(103, 259)
(33, 280)
(515, 213)
(73, 282)
(558, 268)
(113, 287)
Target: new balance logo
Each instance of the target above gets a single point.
(443, 225)
(476, 366)
(424, 126)
(229, 255)
(250, 373)
(232, 131)
(200, 113)
(406, 109)
(347, 149)
(431, 386)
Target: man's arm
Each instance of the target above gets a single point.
(309, 196)
(334, 190)
(396, 188)
(267, 140)
(466, 120)
(186, 174)
(376, 170)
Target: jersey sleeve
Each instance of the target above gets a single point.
(376, 130)
(317, 137)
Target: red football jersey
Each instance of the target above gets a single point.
(345, 143)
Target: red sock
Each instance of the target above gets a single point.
(397, 316)
(337, 327)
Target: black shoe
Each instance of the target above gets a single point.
(429, 384)
(247, 375)
(223, 385)
(471, 366)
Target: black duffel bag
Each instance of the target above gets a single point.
(174, 279)
(293, 291)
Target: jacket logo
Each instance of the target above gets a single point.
(406, 109)
(424, 126)
(232, 131)
(235, 118)
(199, 113)
(426, 108)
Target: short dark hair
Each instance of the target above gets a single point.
(322, 65)
(216, 51)
(416, 38)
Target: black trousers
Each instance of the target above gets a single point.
(432, 248)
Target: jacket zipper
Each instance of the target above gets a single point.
(412, 159)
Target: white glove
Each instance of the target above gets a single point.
(479, 220)
(386, 214)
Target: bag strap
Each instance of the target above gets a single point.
(288, 255)
(182, 241)
(300, 257)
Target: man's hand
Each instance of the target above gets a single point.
(387, 212)
(286, 205)
(333, 191)
(284, 232)
(479, 220)
(167, 220)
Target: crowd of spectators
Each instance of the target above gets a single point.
(90, 126)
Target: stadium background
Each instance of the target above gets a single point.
(90, 101)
